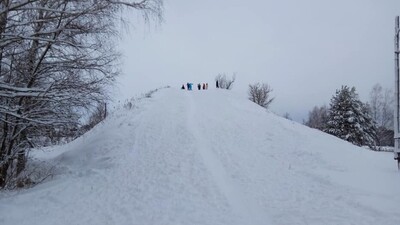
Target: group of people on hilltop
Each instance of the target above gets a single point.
(200, 86)
(203, 86)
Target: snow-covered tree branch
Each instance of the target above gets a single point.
(56, 58)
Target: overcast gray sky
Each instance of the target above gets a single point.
(304, 49)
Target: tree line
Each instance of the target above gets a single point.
(347, 117)
(363, 124)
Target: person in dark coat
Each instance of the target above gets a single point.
(199, 86)
(204, 86)
(183, 87)
(217, 84)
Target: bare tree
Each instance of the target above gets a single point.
(317, 117)
(388, 109)
(376, 102)
(381, 105)
(260, 94)
(56, 58)
(224, 82)
(287, 116)
(98, 115)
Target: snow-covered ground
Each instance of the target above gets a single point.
(208, 157)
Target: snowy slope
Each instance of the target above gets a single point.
(208, 157)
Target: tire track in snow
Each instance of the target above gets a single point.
(247, 211)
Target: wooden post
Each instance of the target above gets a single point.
(105, 110)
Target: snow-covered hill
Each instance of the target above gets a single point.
(208, 157)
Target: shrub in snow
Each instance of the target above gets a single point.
(385, 137)
(349, 119)
(260, 94)
(224, 82)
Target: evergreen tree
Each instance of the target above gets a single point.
(349, 118)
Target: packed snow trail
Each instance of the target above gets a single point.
(248, 214)
(208, 157)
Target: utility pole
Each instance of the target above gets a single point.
(397, 97)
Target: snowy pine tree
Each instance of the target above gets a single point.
(349, 118)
